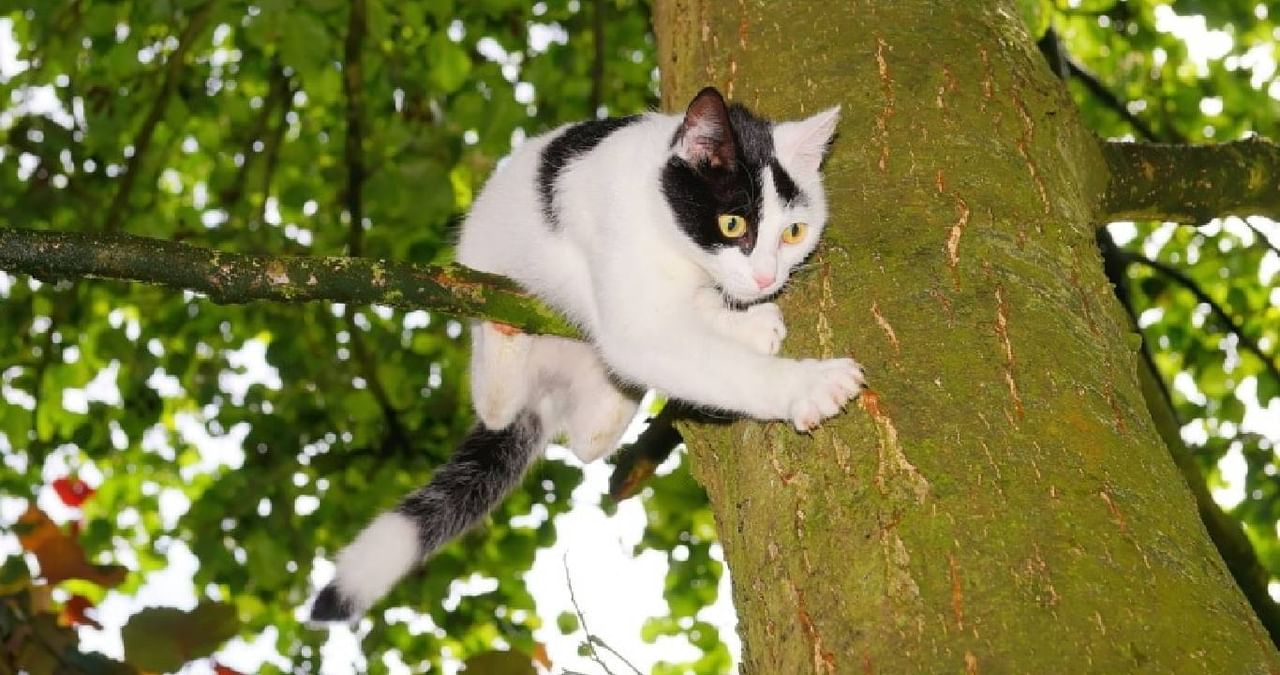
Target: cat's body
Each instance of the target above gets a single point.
(647, 232)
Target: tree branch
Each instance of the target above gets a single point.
(233, 278)
(172, 71)
(352, 88)
(637, 461)
(1218, 310)
(1192, 183)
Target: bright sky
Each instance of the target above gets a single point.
(597, 547)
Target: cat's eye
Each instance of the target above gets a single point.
(732, 226)
(794, 233)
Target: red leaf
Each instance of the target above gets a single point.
(73, 612)
(72, 491)
(220, 669)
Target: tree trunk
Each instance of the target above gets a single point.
(1001, 501)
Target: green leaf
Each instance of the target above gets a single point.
(448, 62)
(500, 663)
(305, 43)
(163, 639)
(567, 622)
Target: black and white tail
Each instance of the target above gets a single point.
(483, 469)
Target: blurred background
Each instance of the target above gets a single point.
(176, 473)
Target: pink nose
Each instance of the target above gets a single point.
(763, 280)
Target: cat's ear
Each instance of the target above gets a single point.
(802, 144)
(705, 136)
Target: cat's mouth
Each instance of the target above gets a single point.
(743, 296)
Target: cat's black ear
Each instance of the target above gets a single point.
(705, 137)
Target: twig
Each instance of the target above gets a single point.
(369, 370)
(173, 70)
(592, 640)
(1262, 237)
(582, 618)
(1188, 283)
(352, 87)
(271, 153)
(1105, 96)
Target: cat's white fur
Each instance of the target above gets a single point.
(652, 302)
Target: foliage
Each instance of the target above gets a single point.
(225, 124)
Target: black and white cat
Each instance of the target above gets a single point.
(648, 232)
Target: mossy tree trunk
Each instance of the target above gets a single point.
(1001, 501)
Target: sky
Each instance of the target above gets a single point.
(595, 547)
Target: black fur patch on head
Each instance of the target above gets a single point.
(700, 194)
(574, 141)
(786, 188)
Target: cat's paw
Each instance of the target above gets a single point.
(824, 387)
(761, 327)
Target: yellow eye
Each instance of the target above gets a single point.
(733, 226)
(794, 233)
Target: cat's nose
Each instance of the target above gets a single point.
(763, 280)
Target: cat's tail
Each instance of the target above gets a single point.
(482, 470)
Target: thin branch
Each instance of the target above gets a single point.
(352, 88)
(233, 278)
(592, 640)
(582, 618)
(1262, 237)
(271, 153)
(637, 461)
(597, 66)
(1192, 183)
(1188, 283)
(353, 198)
(369, 370)
(1108, 98)
(278, 95)
(172, 72)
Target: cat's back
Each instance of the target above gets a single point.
(540, 191)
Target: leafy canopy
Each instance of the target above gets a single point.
(226, 123)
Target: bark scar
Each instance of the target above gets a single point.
(957, 594)
(889, 109)
(892, 462)
(884, 325)
(957, 228)
(1024, 149)
(827, 301)
(1002, 331)
(823, 660)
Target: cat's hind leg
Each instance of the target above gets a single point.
(500, 373)
(593, 410)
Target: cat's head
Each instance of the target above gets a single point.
(747, 192)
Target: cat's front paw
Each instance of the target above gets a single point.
(761, 327)
(824, 387)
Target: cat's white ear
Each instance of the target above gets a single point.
(705, 136)
(802, 144)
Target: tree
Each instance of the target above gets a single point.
(1000, 501)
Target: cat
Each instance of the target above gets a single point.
(662, 237)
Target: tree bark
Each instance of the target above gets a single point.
(1192, 183)
(1001, 501)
